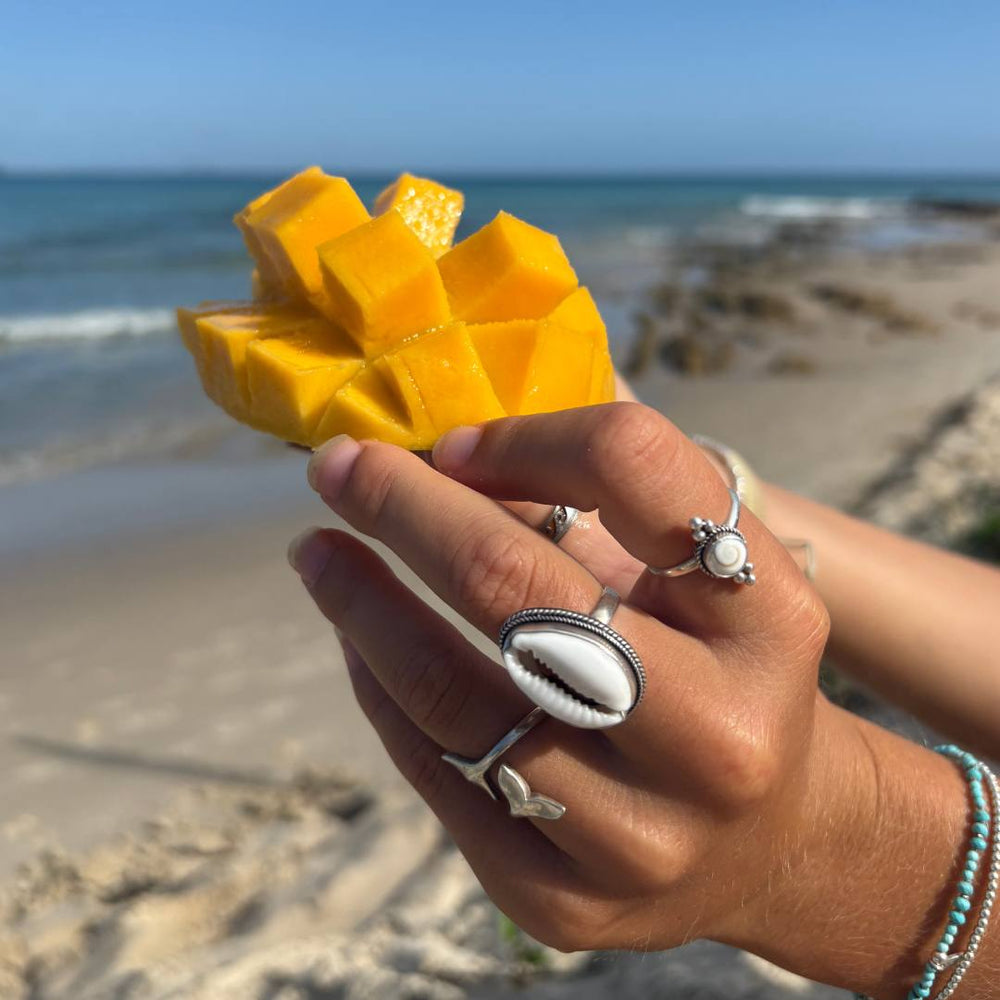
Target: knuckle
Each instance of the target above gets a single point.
(746, 766)
(493, 570)
(632, 436)
(370, 487)
(429, 690)
(421, 765)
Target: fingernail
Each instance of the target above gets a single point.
(309, 554)
(456, 448)
(331, 465)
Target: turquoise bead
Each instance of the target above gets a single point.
(980, 828)
(981, 816)
(962, 905)
(953, 929)
(978, 843)
(949, 939)
(966, 888)
(973, 857)
(957, 917)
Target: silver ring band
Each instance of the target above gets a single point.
(521, 801)
(559, 522)
(476, 770)
(720, 549)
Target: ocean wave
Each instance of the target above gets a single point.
(87, 324)
(140, 440)
(803, 208)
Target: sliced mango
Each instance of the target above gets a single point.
(578, 311)
(536, 366)
(188, 317)
(430, 209)
(369, 407)
(224, 340)
(375, 328)
(382, 284)
(506, 270)
(287, 224)
(262, 290)
(292, 378)
(441, 374)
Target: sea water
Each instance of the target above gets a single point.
(91, 267)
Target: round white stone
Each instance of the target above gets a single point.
(726, 556)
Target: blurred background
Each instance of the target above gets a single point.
(790, 218)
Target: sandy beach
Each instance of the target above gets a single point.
(193, 804)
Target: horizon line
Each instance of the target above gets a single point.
(540, 174)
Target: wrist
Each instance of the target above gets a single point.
(859, 890)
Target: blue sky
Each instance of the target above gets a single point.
(507, 86)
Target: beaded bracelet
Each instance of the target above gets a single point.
(942, 959)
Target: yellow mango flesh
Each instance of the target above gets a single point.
(430, 209)
(369, 407)
(224, 341)
(506, 270)
(268, 274)
(415, 393)
(578, 311)
(290, 379)
(357, 327)
(290, 222)
(538, 366)
(187, 319)
(382, 284)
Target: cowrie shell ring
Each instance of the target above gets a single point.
(574, 666)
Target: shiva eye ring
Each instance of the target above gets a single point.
(720, 549)
(573, 665)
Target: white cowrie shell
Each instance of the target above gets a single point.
(576, 677)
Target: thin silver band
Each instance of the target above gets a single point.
(559, 522)
(476, 770)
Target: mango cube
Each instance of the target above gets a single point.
(415, 393)
(579, 312)
(187, 320)
(382, 284)
(430, 209)
(287, 225)
(369, 407)
(268, 274)
(224, 339)
(291, 379)
(536, 366)
(506, 270)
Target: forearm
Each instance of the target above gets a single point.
(915, 623)
(862, 894)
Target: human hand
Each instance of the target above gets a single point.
(677, 819)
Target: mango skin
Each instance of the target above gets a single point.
(430, 209)
(369, 333)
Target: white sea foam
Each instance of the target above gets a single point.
(87, 324)
(807, 208)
